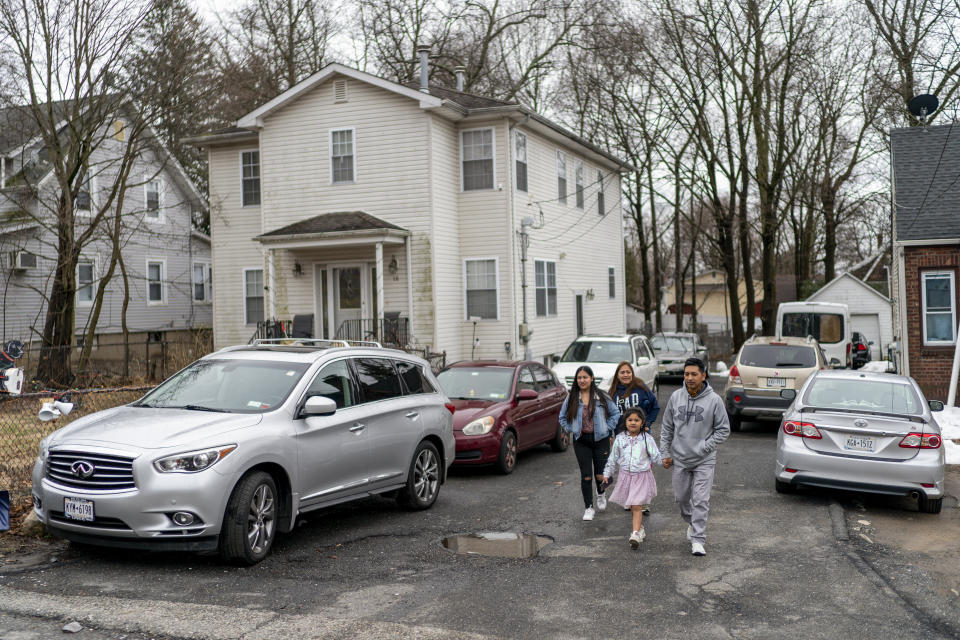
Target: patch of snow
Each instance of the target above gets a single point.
(878, 366)
(949, 421)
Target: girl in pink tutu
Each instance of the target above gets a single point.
(634, 452)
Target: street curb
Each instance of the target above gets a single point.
(188, 621)
(924, 614)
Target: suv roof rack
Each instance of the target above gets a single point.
(315, 343)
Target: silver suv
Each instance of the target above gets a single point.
(235, 446)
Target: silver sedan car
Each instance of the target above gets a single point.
(858, 431)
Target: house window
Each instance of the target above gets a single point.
(939, 307)
(152, 199)
(601, 206)
(612, 281)
(82, 203)
(546, 287)
(201, 282)
(341, 155)
(480, 280)
(155, 292)
(250, 171)
(561, 177)
(476, 155)
(578, 172)
(85, 281)
(253, 295)
(521, 162)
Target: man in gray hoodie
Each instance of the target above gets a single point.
(694, 424)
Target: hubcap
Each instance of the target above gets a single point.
(511, 457)
(261, 519)
(426, 476)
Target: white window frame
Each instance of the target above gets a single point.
(207, 282)
(496, 275)
(562, 160)
(353, 144)
(163, 275)
(243, 202)
(601, 196)
(546, 289)
(611, 282)
(493, 158)
(243, 292)
(526, 163)
(578, 178)
(953, 306)
(92, 285)
(148, 215)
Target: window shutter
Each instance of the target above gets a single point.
(339, 90)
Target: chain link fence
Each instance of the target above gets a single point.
(21, 430)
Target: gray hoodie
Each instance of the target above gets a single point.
(692, 428)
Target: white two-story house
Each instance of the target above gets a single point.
(364, 209)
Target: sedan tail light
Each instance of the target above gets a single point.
(735, 375)
(861, 347)
(921, 441)
(449, 406)
(801, 429)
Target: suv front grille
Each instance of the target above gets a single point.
(110, 472)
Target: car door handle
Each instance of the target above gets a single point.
(412, 415)
(357, 427)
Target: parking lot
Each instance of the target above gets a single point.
(802, 565)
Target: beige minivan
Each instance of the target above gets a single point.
(765, 366)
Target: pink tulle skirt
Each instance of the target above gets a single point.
(634, 488)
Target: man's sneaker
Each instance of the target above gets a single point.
(601, 502)
(637, 537)
(697, 549)
(689, 532)
(588, 513)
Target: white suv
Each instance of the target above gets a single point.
(234, 447)
(602, 353)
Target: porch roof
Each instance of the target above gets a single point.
(338, 228)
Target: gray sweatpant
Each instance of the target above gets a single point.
(691, 490)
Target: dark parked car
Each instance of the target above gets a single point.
(861, 349)
(502, 408)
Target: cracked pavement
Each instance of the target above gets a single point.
(371, 570)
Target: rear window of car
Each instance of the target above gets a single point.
(779, 356)
(827, 328)
(598, 351)
(863, 395)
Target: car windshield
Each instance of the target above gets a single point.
(775, 355)
(481, 383)
(671, 343)
(863, 395)
(234, 386)
(827, 328)
(597, 351)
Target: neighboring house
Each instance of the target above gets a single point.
(712, 302)
(168, 263)
(875, 269)
(925, 169)
(363, 208)
(871, 312)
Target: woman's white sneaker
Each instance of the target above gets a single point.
(588, 513)
(601, 502)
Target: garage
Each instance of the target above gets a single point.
(871, 312)
(868, 325)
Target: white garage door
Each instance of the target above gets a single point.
(868, 324)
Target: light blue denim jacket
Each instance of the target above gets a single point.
(605, 417)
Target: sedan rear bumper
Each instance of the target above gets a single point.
(743, 402)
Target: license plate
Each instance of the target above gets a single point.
(78, 509)
(776, 382)
(858, 443)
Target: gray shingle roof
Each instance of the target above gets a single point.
(333, 222)
(926, 181)
(467, 100)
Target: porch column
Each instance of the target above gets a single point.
(408, 242)
(272, 268)
(380, 289)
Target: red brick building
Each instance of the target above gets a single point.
(925, 168)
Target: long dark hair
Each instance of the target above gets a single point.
(635, 382)
(573, 398)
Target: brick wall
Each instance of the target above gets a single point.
(929, 366)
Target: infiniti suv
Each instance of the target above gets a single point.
(231, 449)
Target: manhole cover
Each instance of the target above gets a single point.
(499, 544)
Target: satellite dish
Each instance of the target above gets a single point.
(923, 106)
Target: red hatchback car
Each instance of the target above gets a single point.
(502, 408)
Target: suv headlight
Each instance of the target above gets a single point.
(193, 461)
(479, 427)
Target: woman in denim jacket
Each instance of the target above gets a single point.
(591, 416)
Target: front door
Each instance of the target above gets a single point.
(349, 302)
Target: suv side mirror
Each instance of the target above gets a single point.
(834, 362)
(318, 406)
(527, 394)
(935, 405)
(642, 360)
(788, 394)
